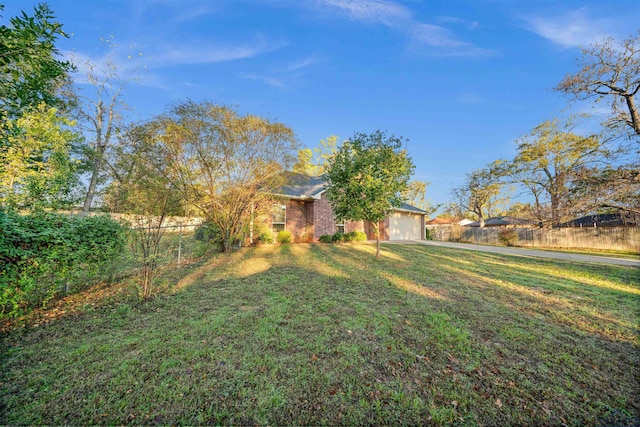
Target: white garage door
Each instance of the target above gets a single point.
(405, 226)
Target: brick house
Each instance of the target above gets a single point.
(306, 212)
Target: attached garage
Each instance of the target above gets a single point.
(406, 226)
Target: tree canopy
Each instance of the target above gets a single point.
(477, 191)
(611, 70)
(367, 177)
(223, 164)
(30, 74)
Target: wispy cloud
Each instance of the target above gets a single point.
(299, 65)
(143, 60)
(169, 54)
(271, 81)
(570, 29)
(469, 25)
(400, 18)
(376, 11)
(470, 98)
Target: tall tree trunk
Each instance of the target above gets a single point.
(633, 112)
(97, 165)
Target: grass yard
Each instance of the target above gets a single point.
(325, 334)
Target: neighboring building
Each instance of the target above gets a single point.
(505, 221)
(307, 214)
(629, 219)
(465, 222)
(440, 221)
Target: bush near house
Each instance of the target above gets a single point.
(44, 255)
(326, 238)
(284, 237)
(353, 236)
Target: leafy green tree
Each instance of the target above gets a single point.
(36, 167)
(366, 178)
(30, 74)
(610, 70)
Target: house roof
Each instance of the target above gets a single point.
(602, 220)
(440, 221)
(305, 187)
(409, 208)
(299, 185)
(502, 221)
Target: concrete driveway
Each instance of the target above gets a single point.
(527, 252)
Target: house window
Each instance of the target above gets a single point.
(279, 217)
(340, 226)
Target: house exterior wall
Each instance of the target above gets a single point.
(298, 220)
(384, 227)
(323, 218)
(308, 220)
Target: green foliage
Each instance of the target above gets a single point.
(427, 234)
(326, 238)
(284, 237)
(349, 237)
(36, 168)
(338, 238)
(367, 176)
(508, 237)
(208, 232)
(30, 74)
(44, 255)
(358, 236)
(352, 236)
(266, 236)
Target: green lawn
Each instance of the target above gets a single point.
(325, 334)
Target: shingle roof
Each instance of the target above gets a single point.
(440, 221)
(299, 185)
(601, 220)
(503, 220)
(410, 208)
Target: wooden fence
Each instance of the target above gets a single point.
(605, 238)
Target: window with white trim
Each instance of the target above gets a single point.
(339, 225)
(279, 217)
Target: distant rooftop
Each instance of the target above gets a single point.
(502, 221)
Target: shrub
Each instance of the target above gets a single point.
(337, 237)
(508, 236)
(43, 255)
(284, 237)
(210, 236)
(326, 238)
(348, 237)
(359, 236)
(427, 234)
(266, 236)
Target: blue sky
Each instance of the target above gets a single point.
(460, 79)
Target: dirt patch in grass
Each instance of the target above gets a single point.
(325, 334)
